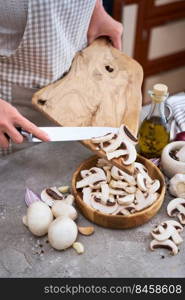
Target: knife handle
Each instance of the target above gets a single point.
(28, 136)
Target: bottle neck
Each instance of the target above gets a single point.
(154, 110)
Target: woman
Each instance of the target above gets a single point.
(38, 41)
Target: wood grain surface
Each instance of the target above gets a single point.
(102, 88)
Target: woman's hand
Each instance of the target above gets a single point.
(9, 118)
(102, 24)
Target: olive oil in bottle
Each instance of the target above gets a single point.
(154, 132)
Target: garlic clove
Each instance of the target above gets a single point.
(63, 189)
(86, 230)
(79, 247)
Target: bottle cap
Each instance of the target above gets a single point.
(160, 89)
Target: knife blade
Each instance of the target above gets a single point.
(57, 134)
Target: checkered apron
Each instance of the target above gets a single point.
(55, 31)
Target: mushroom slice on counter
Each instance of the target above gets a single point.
(167, 230)
(177, 185)
(176, 207)
(49, 195)
(126, 200)
(174, 223)
(107, 208)
(97, 176)
(121, 175)
(167, 244)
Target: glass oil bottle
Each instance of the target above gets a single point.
(154, 133)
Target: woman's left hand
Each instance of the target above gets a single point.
(102, 24)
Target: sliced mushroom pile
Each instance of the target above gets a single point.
(167, 235)
(112, 191)
(119, 145)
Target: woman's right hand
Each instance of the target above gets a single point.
(9, 119)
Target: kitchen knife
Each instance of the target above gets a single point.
(57, 134)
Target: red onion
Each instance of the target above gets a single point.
(180, 136)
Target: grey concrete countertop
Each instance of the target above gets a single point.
(108, 253)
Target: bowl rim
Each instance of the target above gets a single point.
(137, 214)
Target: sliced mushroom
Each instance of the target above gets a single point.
(121, 175)
(152, 188)
(118, 184)
(140, 168)
(102, 139)
(117, 192)
(116, 153)
(176, 225)
(108, 173)
(176, 207)
(177, 185)
(97, 176)
(87, 195)
(49, 195)
(105, 191)
(142, 202)
(167, 230)
(106, 209)
(126, 200)
(130, 189)
(167, 244)
(141, 182)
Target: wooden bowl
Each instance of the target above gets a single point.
(118, 221)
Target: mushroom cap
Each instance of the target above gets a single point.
(177, 185)
(62, 233)
(39, 217)
(176, 206)
(60, 209)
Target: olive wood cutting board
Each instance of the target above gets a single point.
(102, 88)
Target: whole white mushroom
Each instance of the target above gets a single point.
(60, 209)
(62, 233)
(38, 218)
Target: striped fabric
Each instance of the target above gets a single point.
(176, 104)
